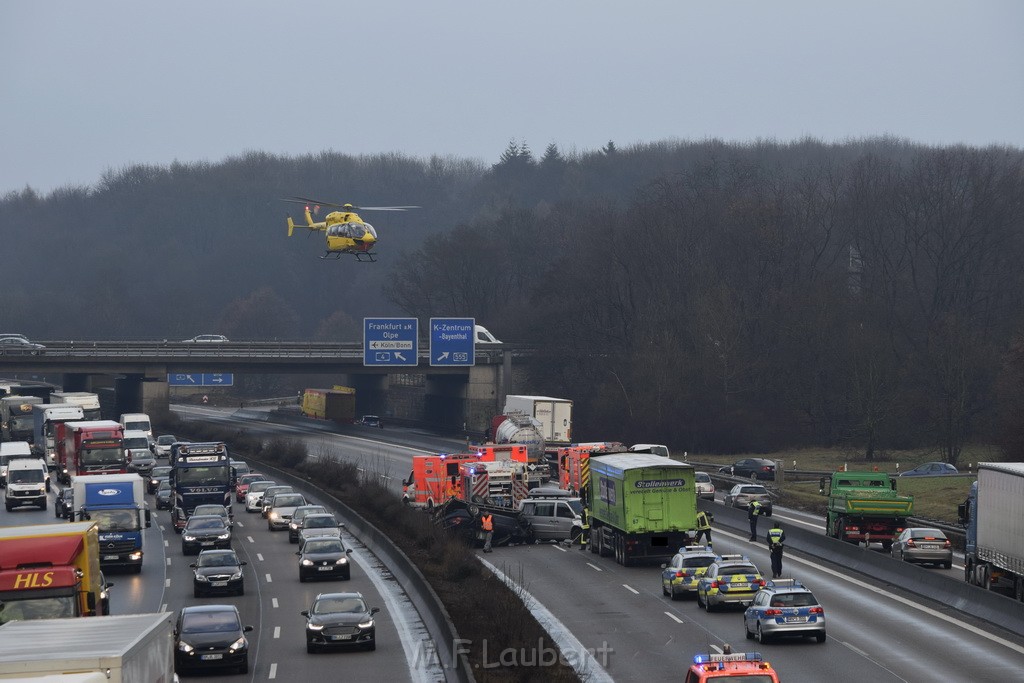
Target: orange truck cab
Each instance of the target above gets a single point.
(428, 483)
(501, 482)
(744, 667)
(573, 470)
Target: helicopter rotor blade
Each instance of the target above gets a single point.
(386, 208)
(308, 200)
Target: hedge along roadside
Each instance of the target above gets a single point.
(421, 593)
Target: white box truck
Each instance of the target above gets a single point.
(993, 516)
(90, 402)
(132, 648)
(554, 415)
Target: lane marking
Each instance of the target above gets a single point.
(277, 631)
(163, 607)
(583, 660)
(269, 580)
(273, 671)
(674, 618)
(166, 544)
(631, 589)
(250, 539)
(594, 566)
(259, 556)
(167, 583)
(273, 603)
(168, 561)
(558, 547)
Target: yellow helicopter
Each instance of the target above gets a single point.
(345, 231)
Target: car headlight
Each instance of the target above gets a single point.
(236, 576)
(223, 537)
(293, 525)
(343, 560)
(367, 624)
(273, 515)
(238, 644)
(307, 563)
(185, 647)
(202, 579)
(315, 627)
(187, 537)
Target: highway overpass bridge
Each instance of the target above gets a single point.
(138, 371)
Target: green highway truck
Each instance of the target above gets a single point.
(643, 507)
(864, 507)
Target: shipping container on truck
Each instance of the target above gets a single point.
(337, 405)
(554, 415)
(89, 402)
(642, 507)
(130, 648)
(45, 417)
(993, 516)
(50, 571)
(90, 447)
(16, 414)
(117, 504)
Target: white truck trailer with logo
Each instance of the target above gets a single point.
(90, 402)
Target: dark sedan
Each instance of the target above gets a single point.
(340, 620)
(210, 637)
(164, 495)
(324, 557)
(159, 474)
(204, 531)
(758, 468)
(217, 571)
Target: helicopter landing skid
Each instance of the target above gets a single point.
(336, 256)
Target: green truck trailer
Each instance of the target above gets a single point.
(864, 507)
(643, 507)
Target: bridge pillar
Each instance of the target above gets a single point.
(371, 394)
(137, 393)
(156, 396)
(76, 381)
(444, 401)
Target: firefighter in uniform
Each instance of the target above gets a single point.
(585, 528)
(487, 524)
(451, 490)
(704, 520)
(753, 512)
(776, 538)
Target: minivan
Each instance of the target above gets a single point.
(137, 421)
(28, 480)
(553, 519)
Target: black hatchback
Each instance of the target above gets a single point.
(340, 620)
(218, 571)
(210, 637)
(757, 468)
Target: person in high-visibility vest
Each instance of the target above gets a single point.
(487, 524)
(753, 512)
(776, 538)
(585, 528)
(704, 520)
(451, 491)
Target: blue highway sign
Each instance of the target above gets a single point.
(452, 341)
(391, 341)
(201, 379)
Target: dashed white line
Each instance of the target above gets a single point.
(558, 547)
(250, 539)
(674, 618)
(273, 671)
(167, 583)
(273, 603)
(595, 567)
(163, 607)
(166, 543)
(277, 631)
(259, 556)
(631, 589)
(168, 562)
(269, 580)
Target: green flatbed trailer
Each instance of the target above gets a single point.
(864, 507)
(643, 507)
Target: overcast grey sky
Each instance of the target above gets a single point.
(92, 85)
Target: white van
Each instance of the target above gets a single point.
(553, 518)
(654, 448)
(137, 422)
(9, 450)
(28, 480)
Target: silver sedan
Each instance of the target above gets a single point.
(923, 545)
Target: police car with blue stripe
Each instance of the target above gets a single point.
(784, 607)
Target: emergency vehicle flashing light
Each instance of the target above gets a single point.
(734, 657)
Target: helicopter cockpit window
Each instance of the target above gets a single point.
(369, 229)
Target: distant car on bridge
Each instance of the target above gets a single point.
(206, 339)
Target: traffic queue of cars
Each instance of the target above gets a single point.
(213, 636)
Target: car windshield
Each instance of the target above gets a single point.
(115, 520)
(703, 478)
(210, 510)
(138, 443)
(207, 622)
(165, 440)
(162, 471)
(331, 605)
(318, 522)
(217, 560)
(164, 485)
(698, 561)
(260, 486)
(793, 600)
(33, 476)
(290, 500)
(331, 546)
(928, 533)
(205, 523)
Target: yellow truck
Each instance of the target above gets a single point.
(51, 571)
(337, 404)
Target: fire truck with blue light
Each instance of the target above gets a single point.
(748, 667)
(428, 483)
